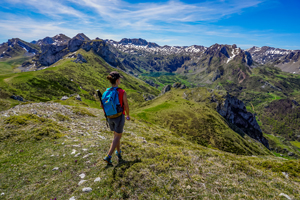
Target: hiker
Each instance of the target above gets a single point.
(115, 104)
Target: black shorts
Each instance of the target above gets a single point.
(117, 124)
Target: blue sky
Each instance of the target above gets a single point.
(246, 23)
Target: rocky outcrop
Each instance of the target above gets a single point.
(16, 97)
(232, 109)
(150, 82)
(138, 42)
(148, 97)
(64, 98)
(167, 88)
(235, 112)
(102, 49)
(183, 86)
(51, 54)
(80, 59)
(75, 43)
(217, 74)
(78, 98)
(176, 85)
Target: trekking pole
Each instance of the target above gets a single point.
(100, 97)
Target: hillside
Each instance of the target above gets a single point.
(68, 78)
(52, 151)
(197, 120)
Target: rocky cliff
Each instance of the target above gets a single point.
(232, 109)
(235, 112)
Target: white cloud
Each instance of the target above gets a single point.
(28, 29)
(150, 15)
(52, 8)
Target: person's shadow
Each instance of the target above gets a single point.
(121, 167)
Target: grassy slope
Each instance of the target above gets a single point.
(163, 80)
(197, 122)
(256, 98)
(67, 78)
(165, 166)
(8, 66)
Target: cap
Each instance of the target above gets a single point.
(115, 74)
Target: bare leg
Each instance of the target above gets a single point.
(115, 143)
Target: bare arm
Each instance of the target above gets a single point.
(125, 103)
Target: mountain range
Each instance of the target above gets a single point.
(158, 58)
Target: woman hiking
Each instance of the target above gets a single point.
(115, 101)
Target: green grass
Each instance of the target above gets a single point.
(8, 66)
(165, 166)
(5, 68)
(165, 79)
(296, 144)
(196, 121)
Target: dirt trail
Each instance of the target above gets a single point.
(8, 79)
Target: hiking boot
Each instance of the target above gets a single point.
(119, 155)
(108, 160)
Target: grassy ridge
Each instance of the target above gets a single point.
(67, 78)
(197, 122)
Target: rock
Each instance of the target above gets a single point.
(285, 195)
(176, 85)
(72, 198)
(167, 88)
(78, 98)
(296, 103)
(188, 187)
(285, 174)
(81, 182)
(87, 155)
(87, 189)
(150, 82)
(73, 151)
(97, 179)
(55, 168)
(182, 86)
(235, 112)
(80, 59)
(84, 149)
(144, 141)
(76, 145)
(51, 54)
(64, 98)
(82, 175)
(102, 137)
(2, 194)
(217, 74)
(16, 97)
(77, 154)
(281, 155)
(291, 154)
(148, 97)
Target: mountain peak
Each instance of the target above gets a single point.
(82, 36)
(137, 41)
